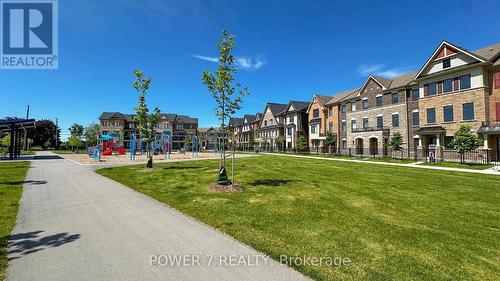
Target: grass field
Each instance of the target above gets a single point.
(393, 223)
(11, 181)
(459, 165)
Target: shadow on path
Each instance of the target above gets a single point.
(22, 244)
(23, 182)
(47, 157)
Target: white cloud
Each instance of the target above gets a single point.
(382, 70)
(245, 63)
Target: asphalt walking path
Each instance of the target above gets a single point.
(491, 171)
(74, 224)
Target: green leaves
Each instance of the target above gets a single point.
(396, 141)
(464, 140)
(227, 93)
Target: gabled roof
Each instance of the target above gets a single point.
(298, 105)
(343, 95)
(249, 118)
(402, 80)
(186, 119)
(454, 48)
(322, 100)
(489, 53)
(235, 122)
(276, 108)
(204, 130)
(109, 115)
(168, 116)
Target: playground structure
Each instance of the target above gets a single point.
(162, 144)
(107, 145)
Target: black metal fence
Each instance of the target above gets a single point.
(478, 156)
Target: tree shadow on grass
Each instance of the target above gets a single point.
(271, 182)
(22, 244)
(23, 182)
(181, 167)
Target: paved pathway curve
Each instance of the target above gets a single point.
(74, 224)
(491, 171)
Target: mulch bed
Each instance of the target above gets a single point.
(225, 188)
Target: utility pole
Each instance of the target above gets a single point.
(57, 129)
(25, 144)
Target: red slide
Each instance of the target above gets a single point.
(106, 149)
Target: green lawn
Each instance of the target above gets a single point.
(11, 181)
(370, 159)
(458, 165)
(398, 223)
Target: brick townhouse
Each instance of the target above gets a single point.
(124, 124)
(271, 126)
(295, 122)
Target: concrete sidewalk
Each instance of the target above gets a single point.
(74, 224)
(412, 165)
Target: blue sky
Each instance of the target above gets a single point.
(286, 49)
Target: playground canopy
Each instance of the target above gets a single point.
(15, 127)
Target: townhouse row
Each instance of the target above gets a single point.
(454, 86)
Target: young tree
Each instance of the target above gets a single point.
(464, 141)
(146, 122)
(187, 144)
(330, 141)
(75, 140)
(301, 143)
(91, 134)
(396, 141)
(252, 144)
(227, 93)
(279, 141)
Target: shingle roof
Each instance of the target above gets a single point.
(299, 105)
(107, 115)
(342, 95)
(234, 122)
(384, 81)
(250, 118)
(187, 119)
(402, 80)
(322, 99)
(277, 108)
(488, 52)
(164, 116)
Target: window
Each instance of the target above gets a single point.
(342, 108)
(270, 122)
(380, 122)
(365, 123)
(448, 113)
(314, 129)
(431, 115)
(416, 119)
(468, 111)
(447, 85)
(447, 142)
(343, 126)
(446, 63)
(105, 123)
(344, 144)
(116, 123)
(329, 111)
(496, 80)
(316, 113)
(353, 106)
(432, 89)
(379, 101)
(395, 120)
(415, 94)
(131, 125)
(353, 125)
(291, 119)
(289, 131)
(330, 127)
(265, 123)
(394, 98)
(465, 82)
(365, 103)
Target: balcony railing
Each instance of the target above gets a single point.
(490, 123)
(370, 129)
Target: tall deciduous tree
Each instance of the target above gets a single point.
(76, 133)
(146, 122)
(464, 141)
(91, 134)
(46, 134)
(227, 93)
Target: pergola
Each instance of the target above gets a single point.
(15, 127)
